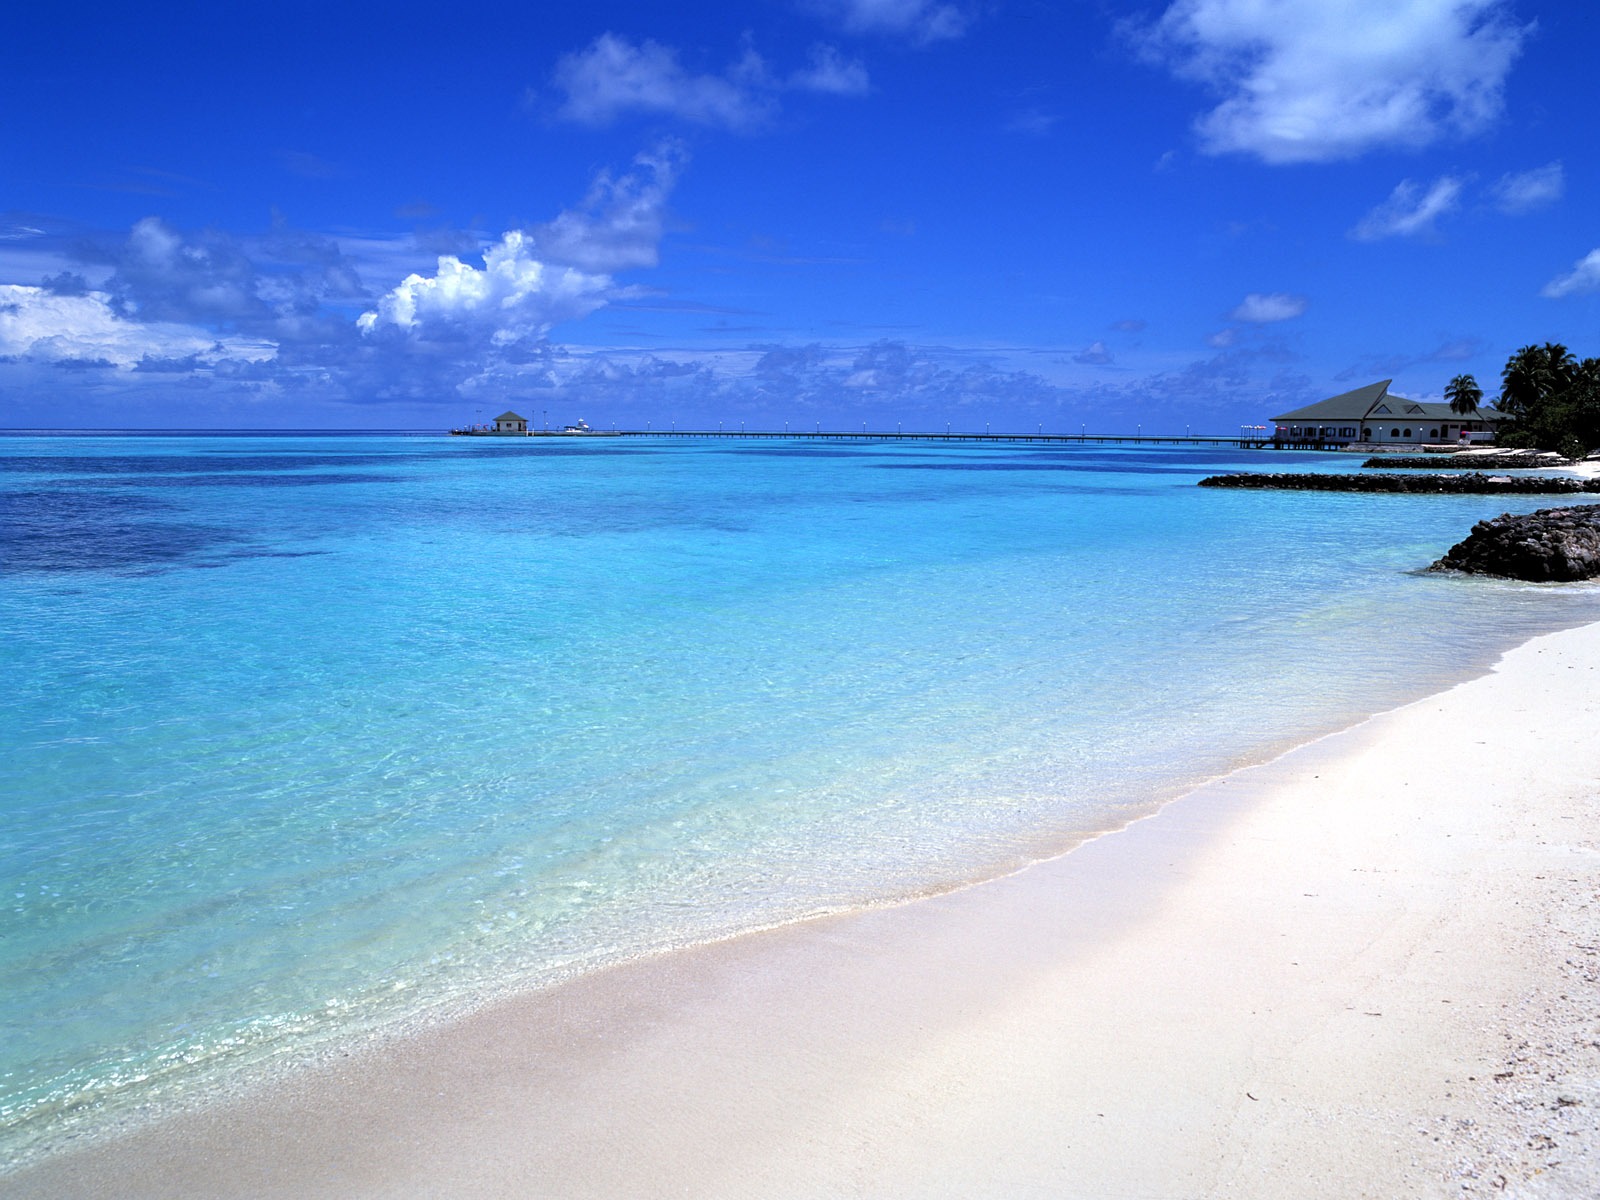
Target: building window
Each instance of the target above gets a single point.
(1396, 432)
(1408, 433)
(1433, 433)
(1366, 435)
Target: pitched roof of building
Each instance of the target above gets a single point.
(508, 415)
(1348, 406)
(1374, 401)
(1395, 406)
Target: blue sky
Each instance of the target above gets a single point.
(1192, 214)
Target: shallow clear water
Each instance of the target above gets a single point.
(302, 735)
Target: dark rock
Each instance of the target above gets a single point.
(1454, 483)
(1553, 545)
(1511, 460)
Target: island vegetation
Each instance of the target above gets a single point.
(1552, 398)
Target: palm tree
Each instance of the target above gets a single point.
(1535, 375)
(1463, 393)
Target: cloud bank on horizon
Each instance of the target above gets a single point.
(832, 218)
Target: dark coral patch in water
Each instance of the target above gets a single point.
(50, 530)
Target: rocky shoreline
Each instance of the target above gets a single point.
(1456, 483)
(1553, 545)
(1510, 461)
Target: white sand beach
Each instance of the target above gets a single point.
(1369, 968)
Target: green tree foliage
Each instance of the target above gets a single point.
(1552, 398)
(1464, 394)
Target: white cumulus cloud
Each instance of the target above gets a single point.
(1528, 190)
(921, 21)
(1409, 210)
(614, 77)
(1320, 80)
(1262, 308)
(44, 326)
(619, 223)
(832, 73)
(532, 279)
(513, 297)
(164, 275)
(1584, 277)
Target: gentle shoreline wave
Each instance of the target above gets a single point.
(939, 770)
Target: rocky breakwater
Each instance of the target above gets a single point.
(1475, 482)
(1512, 460)
(1553, 545)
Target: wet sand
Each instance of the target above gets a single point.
(1368, 968)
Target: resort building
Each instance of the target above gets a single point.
(1371, 414)
(509, 422)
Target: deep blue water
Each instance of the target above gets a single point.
(304, 735)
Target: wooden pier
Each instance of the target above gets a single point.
(1252, 441)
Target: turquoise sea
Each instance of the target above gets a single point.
(308, 736)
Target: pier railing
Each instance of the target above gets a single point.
(1251, 441)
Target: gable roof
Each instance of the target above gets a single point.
(1395, 408)
(1373, 402)
(508, 415)
(1347, 406)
